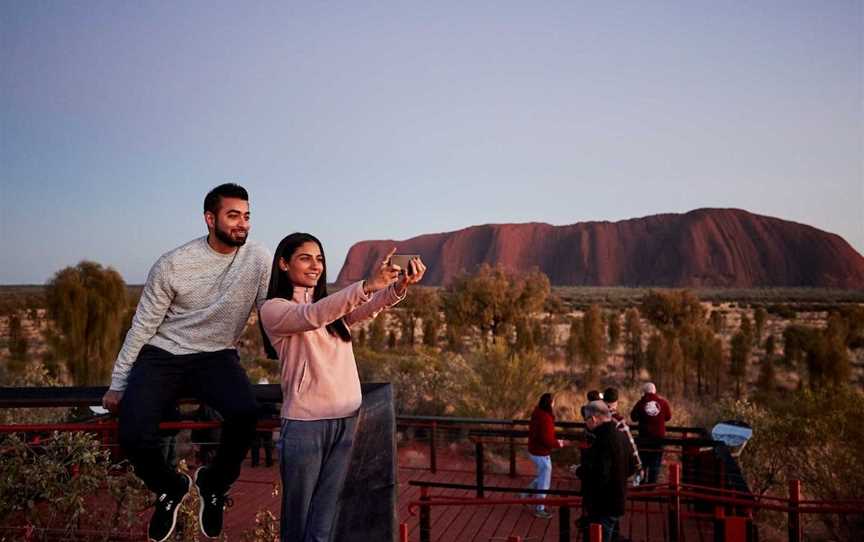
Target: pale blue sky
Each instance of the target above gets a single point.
(370, 120)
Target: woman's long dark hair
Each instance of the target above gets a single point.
(545, 402)
(282, 287)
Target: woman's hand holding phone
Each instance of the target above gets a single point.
(382, 276)
(413, 275)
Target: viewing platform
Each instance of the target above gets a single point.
(420, 478)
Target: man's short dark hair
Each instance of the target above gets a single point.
(610, 395)
(213, 200)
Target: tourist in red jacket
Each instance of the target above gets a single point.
(651, 413)
(541, 442)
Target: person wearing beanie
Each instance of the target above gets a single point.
(604, 471)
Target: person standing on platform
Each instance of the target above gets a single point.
(308, 331)
(604, 471)
(651, 412)
(541, 442)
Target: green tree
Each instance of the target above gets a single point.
(714, 362)
(717, 321)
(767, 380)
(592, 340)
(420, 305)
(524, 336)
(740, 353)
(633, 336)
(573, 342)
(377, 337)
(746, 328)
(492, 299)
(760, 316)
(431, 329)
(614, 330)
(668, 311)
(696, 343)
(821, 355)
(86, 304)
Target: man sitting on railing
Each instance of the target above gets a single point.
(193, 309)
(604, 471)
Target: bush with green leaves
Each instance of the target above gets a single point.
(496, 383)
(817, 438)
(56, 485)
(424, 381)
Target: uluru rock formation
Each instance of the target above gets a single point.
(702, 248)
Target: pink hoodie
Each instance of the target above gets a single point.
(319, 373)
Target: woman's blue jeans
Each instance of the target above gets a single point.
(315, 457)
(543, 480)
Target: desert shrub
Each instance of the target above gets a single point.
(805, 436)
(496, 383)
(424, 381)
(34, 374)
(500, 383)
(51, 485)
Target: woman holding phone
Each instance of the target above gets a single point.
(308, 331)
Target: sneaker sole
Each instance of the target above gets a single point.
(176, 511)
(201, 507)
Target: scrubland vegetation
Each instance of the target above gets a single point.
(788, 361)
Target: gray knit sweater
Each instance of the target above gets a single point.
(195, 300)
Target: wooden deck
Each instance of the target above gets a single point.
(257, 489)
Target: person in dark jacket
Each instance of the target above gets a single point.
(541, 442)
(651, 413)
(604, 471)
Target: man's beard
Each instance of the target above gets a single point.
(226, 238)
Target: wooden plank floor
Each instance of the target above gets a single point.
(257, 488)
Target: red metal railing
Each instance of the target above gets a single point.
(673, 494)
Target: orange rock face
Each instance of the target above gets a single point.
(702, 248)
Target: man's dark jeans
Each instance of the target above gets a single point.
(158, 378)
(609, 524)
(651, 455)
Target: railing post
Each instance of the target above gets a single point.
(595, 532)
(564, 523)
(425, 516)
(675, 503)
(719, 524)
(794, 515)
(403, 532)
(512, 451)
(478, 459)
(433, 458)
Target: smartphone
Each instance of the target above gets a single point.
(403, 260)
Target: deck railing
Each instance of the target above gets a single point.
(722, 498)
